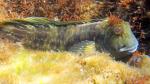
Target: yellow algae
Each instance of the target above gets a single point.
(7, 77)
(7, 50)
(145, 65)
(49, 67)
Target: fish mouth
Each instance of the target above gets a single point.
(129, 49)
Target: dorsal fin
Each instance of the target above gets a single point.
(43, 20)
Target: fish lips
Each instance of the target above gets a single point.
(130, 49)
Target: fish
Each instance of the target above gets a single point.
(111, 34)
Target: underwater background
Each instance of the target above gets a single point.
(20, 65)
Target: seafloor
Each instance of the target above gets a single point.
(19, 65)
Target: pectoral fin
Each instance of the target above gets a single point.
(83, 47)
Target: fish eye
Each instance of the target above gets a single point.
(118, 31)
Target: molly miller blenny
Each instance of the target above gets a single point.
(111, 35)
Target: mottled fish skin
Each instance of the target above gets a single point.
(43, 34)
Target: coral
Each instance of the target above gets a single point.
(55, 9)
(139, 80)
(126, 3)
(3, 12)
(6, 13)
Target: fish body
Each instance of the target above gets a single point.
(43, 34)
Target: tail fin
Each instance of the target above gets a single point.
(25, 30)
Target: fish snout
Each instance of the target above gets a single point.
(130, 49)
